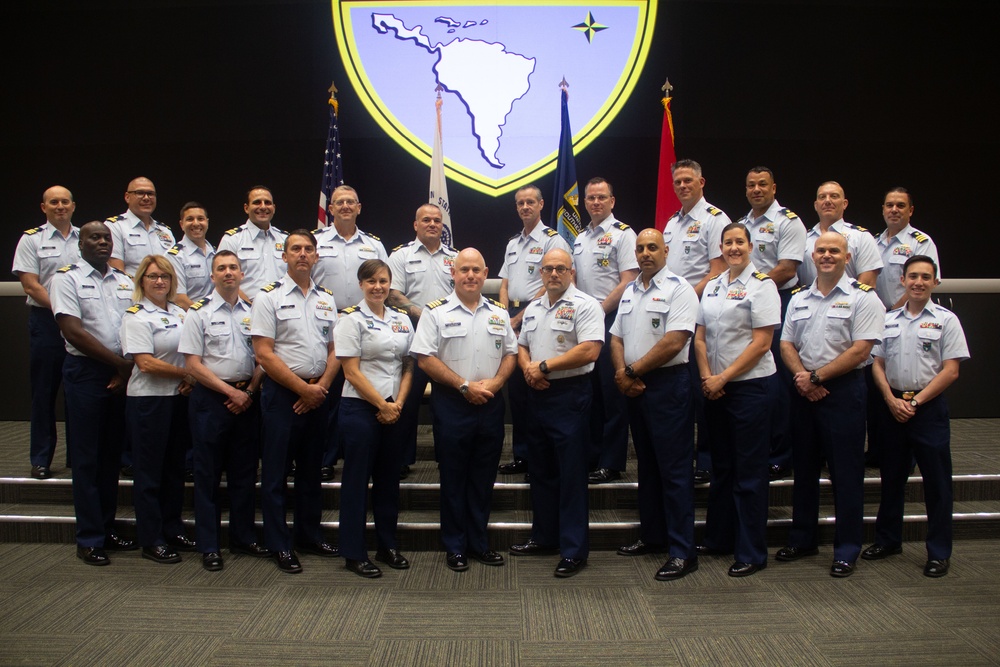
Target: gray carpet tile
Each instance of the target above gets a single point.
(454, 653)
(139, 647)
(428, 571)
(749, 650)
(986, 640)
(733, 610)
(586, 613)
(246, 651)
(29, 648)
(973, 602)
(452, 615)
(316, 614)
(599, 654)
(922, 647)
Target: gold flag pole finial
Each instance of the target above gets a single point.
(564, 85)
(333, 96)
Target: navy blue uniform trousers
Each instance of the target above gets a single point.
(371, 451)
(158, 426)
(557, 443)
(663, 434)
(781, 425)
(410, 417)
(287, 437)
(332, 452)
(468, 439)
(926, 437)
(609, 418)
(95, 433)
(517, 398)
(223, 441)
(832, 428)
(47, 352)
(739, 432)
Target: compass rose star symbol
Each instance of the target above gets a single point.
(589, 27)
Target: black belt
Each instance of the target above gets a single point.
(238, 384)
(905, 395)
(666, 370)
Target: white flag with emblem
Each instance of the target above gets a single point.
(439, 184)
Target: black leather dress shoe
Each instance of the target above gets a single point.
(182, 543)
(936, 567)
(513, 468)
(703, 550)
(567, 567)
(738, 569)
(788, 554)
(288, 562)
(363, 568)
(879, 551)
(640, 548)
(41, 472)
(117, 543)
(404, 472)
(319, 549)
(602, 475)
(489, 557)
(93, 556)
(702, 477)
(212, 561)
(841, 569)
(532, 548)
(675, 568)
(161, 553)
(777, 472)
(392, 558)
(252, 549)
(326, 473)
(457, 562)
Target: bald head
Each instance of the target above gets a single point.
(140, 195)
(469, 274)
(830, 256)
(650, 252)
(58, 206)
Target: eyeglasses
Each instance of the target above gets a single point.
(157, 277)
(560, 270)
(143, 194)
(598, 197)
(345, 202)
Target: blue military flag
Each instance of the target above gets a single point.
(333, 167)
(566, 198)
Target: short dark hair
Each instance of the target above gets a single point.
(919, 258)
(901, 190)
(735, 225)
(686, 164)
(597, 180)
(760, 169)
(370, 267)
(226, 253)
(190, 205)
(257, 187)
(302, 231)
(531, 186)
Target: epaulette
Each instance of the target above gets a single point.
(399, 310)
(176, 250)
(349, 310)
(434, 304)
(316, 231)
(114, 218)
(515, 236)
(33, 230)
(713, 211)
(788, 213)
(761, 276)
(551, 232)
(271, 286)
(323, 289)
(496, 303)
(711, 278)
(371, 236)
(862, 286)
(401, 246)
(919, 237)
(861, 229)
(622, 226)
(133, 309)
(64, 269)
(743, 220)
(200, 302)
(798, 289)
(233, 231)
(114, 270)
(448, 247)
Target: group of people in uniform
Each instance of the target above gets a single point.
(297, 349)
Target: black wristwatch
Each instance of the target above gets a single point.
(544, 367)
(464, 388)
(814, 378)
(630, 372)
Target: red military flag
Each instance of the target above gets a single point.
(666, 201)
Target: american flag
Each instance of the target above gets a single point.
(333, 167)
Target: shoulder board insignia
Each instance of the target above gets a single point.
(434, 304)
(133, 309)
(401, 246)
(551, 232)
(861, 286)
(788, 213)
(114, 218)
(371, 236)
(798, 289)
(514, 236)
(64, 269)
(714, 211)
(175, 250)
(496, 303)
(761, 276)
(715, 276)
(861, 229)
(399, 310)
(114, 270)
(349, 310)
(316, 231)
(622, 226)
(448, 247)
(33, 230)
(744, 220)
(270, 286)
(323, 289)
(919, 237)
(233, 231)
(199, 303)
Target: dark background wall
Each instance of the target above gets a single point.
(207, 98)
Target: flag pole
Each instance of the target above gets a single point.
(333, 168)
(438, 193)
(666, 199)
(566, 197)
